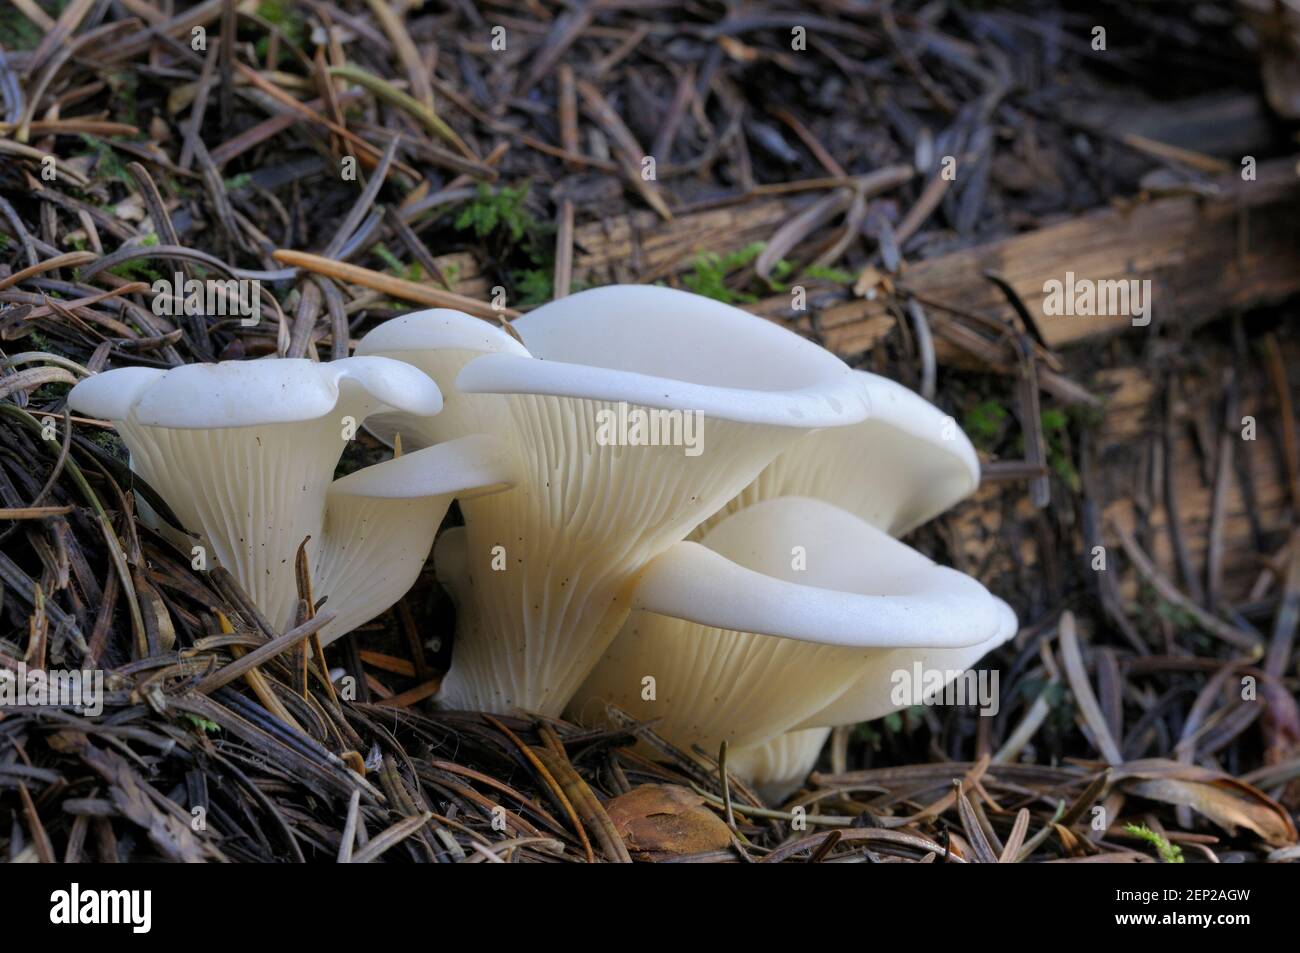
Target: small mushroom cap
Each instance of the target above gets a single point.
(439, 342)
(451, 558)
(466, 467)
(249, 393)
(860, 587)
(438, 328)
(668, 349)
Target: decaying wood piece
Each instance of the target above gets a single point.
(1203, 257)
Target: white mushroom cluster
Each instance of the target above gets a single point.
(244, 453)
(670, 505)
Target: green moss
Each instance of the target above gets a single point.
(412, 272)
(983, 423)
(1056, 431)
(523, 246)
(109, 441)
(107, 163)
(19, 33)
(1169, 853)
(709, 271)
(498, 210)
(823, 273)
(139, 269)
(124, 85)
(452, 273)
(51, 392)
(285, 17)
(201, 723)
(1176, 615)
(902, 723)
(532, 285)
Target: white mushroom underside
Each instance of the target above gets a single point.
(713, 684)
(374, 551)
(583, 521)
(253, 494)
(778, 765)
(840, 606)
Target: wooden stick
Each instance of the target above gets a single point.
(397, 287)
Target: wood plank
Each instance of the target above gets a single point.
(1204, 257)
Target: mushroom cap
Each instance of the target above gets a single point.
(451, 559)
(672, 350)
(860, 588)
(744, 645)
(465, 467)
(439, 342)
(869, 696)
(252, 393)
(110, 395)
(902, 466)
(440, 328)
(932, 462)
(244, 453)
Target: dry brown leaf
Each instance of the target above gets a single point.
(1227, 802)
(666, 820)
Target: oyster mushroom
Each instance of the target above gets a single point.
(787, 606)
(551, 564)
(243, 452)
